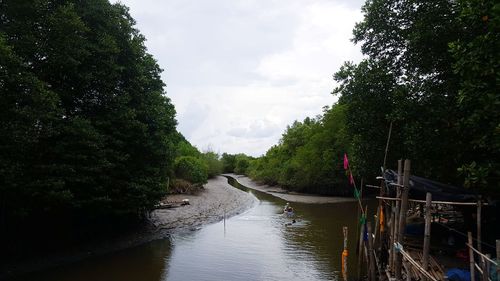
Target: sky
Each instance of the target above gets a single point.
(238, 72)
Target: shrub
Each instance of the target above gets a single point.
(191, 169)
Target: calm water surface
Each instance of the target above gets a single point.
(255, 245)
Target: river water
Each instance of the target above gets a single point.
(255, 245)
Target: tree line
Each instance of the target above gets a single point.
(431, 72)
(87, 132)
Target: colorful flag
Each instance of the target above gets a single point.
(351, 179)
(346, 162)
(356, 193)
(382, 220)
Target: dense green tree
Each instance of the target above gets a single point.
(407, 46)
(309, 155)
(184, 148)
(228, 162)
(191, 169)
(213, 163)
(242, 163)
(86, 127)
(477, 64)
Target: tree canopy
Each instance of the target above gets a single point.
(86, 126)
(431, 72)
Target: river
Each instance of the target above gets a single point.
(255, 245)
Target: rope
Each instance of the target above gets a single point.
(465, 235)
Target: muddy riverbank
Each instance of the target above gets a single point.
(207, 206)
(289, 196)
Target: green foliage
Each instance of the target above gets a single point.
(242, 163)
(309, 155)
(477, 64)
(228, 162)
(213, 163)
(442, 104)
(430, 71)
(191, 169)
(184, 148)
(86, 127)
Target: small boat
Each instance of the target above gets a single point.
(288, 211)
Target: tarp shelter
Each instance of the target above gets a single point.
(440, 191)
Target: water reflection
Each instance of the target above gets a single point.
(256, 245)
(145, 263)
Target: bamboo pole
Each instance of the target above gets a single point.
(387, 145)
(370, 252)
(498, 259)
(398, 204)
(471, 257)
(360, 250)
(402, 214)
(486, 269)
(344, 254)
(479, 246)
(391, 236)
(396, 215)
(427, 235)
(434, 202)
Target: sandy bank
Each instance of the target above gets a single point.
(288, 196)
(207, 206)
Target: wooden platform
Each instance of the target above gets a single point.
(434, 268)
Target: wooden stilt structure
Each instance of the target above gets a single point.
(402, 215)
(372, 267)
(427, 233)
(405, 261)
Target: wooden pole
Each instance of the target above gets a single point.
(391, 236)
(471, 257)
(479, 246)
(427, 235)
(387, 146)
(398, 204)
(345, 254)
(360, 250)
(402, 215)
(486, 268)
(498, 259)
(370, 252)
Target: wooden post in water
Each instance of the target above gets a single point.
(427, 235)
(396, 215)
(471, 256)
(498, 259)
(486, 268)
(371, 275)
(402, 215)
(391, 236)
(345, 254)
(360, 250)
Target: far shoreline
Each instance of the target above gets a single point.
(295, 197)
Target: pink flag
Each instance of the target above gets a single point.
(346, 162)
(351, 179)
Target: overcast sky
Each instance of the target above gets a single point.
(238, 72)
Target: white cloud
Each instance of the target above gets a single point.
(239, 72)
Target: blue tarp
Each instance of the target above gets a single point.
(457, 274)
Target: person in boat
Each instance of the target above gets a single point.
(288, 210)
(287, 205)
